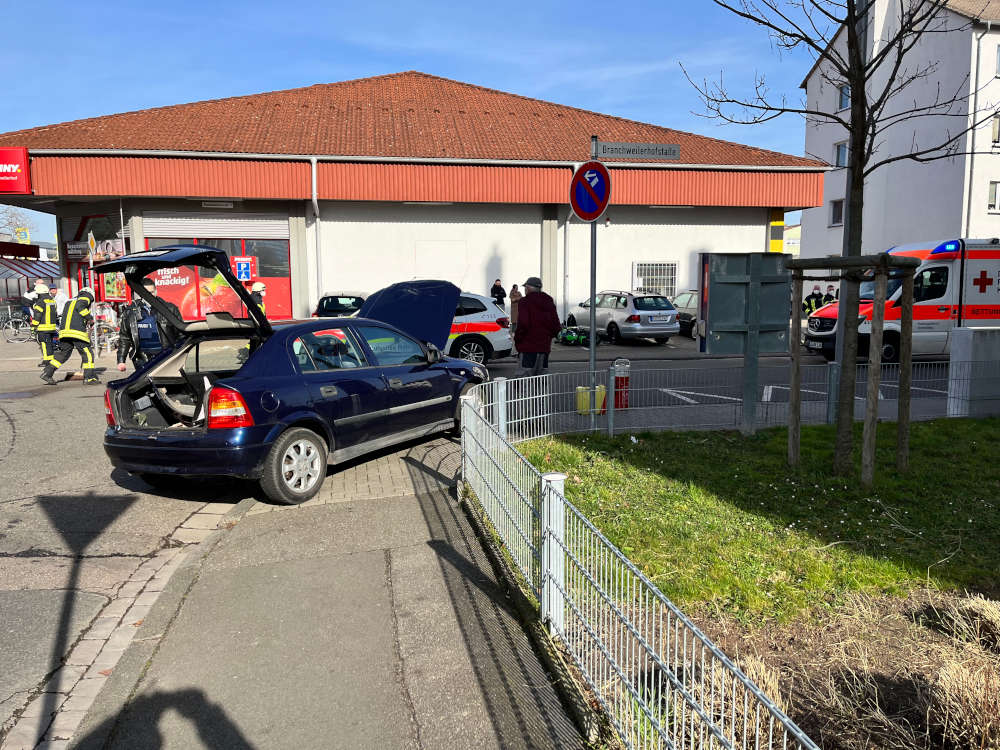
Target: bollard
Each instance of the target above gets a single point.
(623, 369)
(612, 403)
(501, 405)
(553, 560)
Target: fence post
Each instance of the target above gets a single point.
(501, 407)
(609, 399)
(465, 412)
(553, 561)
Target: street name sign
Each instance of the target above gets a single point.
(617, 150)
(590, 191)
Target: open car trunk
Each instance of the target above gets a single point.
(173, 394)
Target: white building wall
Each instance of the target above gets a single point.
(659, 235)
(905, 201)
(978, 220)
(367, 246)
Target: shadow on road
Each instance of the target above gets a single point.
(522, 705)
(215, 729)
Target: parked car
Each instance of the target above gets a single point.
(687, 312)
(339, 304)
(480, 331)
(629, 315)
(274, 403)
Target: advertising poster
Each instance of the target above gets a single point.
(115, 288)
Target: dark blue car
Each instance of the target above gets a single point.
(240, 396)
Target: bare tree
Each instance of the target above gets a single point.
(881, 74)
(12, 217)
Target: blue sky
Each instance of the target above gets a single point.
(76, 60)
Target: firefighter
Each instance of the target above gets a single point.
(813, 302)
(45, 321)
(142, 332)
(75, 334)
(257, 295)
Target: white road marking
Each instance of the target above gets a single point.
(675, 392)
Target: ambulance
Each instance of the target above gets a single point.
(956, 284)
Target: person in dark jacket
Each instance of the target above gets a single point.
(537, 324)
(75, 334)
(143, 332)
(497, 293)
(829, 296)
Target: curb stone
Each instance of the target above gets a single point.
(592, 723)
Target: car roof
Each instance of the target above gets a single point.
(344, 293)
(480, 297)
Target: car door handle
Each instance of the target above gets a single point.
(945, 308)
(395, 383)
(328, 391)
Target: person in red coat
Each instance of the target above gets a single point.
(537, 325)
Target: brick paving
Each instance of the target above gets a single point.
(51, 717)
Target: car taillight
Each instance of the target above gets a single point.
(108, 412)
(315, 315)
(632, 319)
(227, 410)
(503, 322)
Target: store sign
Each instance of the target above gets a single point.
(77, 250)
(15, 179)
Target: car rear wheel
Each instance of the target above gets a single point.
(472, 348)
(890, 348)
(693, 330)
(295, 467)
(613, 333)
(570, 322)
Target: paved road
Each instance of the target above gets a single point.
(72, 534)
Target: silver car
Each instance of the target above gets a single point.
(629, 315)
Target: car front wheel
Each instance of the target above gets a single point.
(295, 467)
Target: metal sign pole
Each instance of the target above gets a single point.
(593, 310)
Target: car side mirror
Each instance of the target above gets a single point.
(433, 354)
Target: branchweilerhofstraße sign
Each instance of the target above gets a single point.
(15, 178)
(616, 150)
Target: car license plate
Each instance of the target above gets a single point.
(659, 318)
(814, 344)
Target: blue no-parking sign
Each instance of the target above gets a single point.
(590, 191)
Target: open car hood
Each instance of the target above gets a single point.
(423, 309)
(137, 266)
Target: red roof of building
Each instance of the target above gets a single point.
(407, 115)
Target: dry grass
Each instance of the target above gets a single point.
(974, 619)
(965, 705)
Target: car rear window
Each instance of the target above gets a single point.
(340, 305)
(652, 303)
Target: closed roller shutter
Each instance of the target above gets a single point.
(224, 226)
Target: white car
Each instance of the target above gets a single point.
(480, 330)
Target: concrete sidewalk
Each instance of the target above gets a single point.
(351, 623)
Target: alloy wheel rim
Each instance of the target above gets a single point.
(472, 352)
(300, 466)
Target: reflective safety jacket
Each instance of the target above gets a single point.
(44, 315)
(259, 299)
(76, 318)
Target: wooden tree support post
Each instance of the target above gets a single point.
(874, 378)
(795, 384)
(905, 376)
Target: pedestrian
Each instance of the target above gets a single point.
(497, 293)
(75, 334)
(538, 323)
(143, 332)
(61, 299)
(257, 292)
(45, 321)
(515, 297)
(829, 296)
(813, 302)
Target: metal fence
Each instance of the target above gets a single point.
(661, 681)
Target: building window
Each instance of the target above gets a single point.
(836, 213)
(993, 196)
(996, 130)
(840, 154)
(844, 93)
(655, 278)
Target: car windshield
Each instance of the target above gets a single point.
(653, 303)
(867, 288)
(338, 305)
(195, 295)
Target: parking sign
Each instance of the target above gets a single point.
(244, 267)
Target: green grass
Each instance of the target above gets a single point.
(719, 520)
